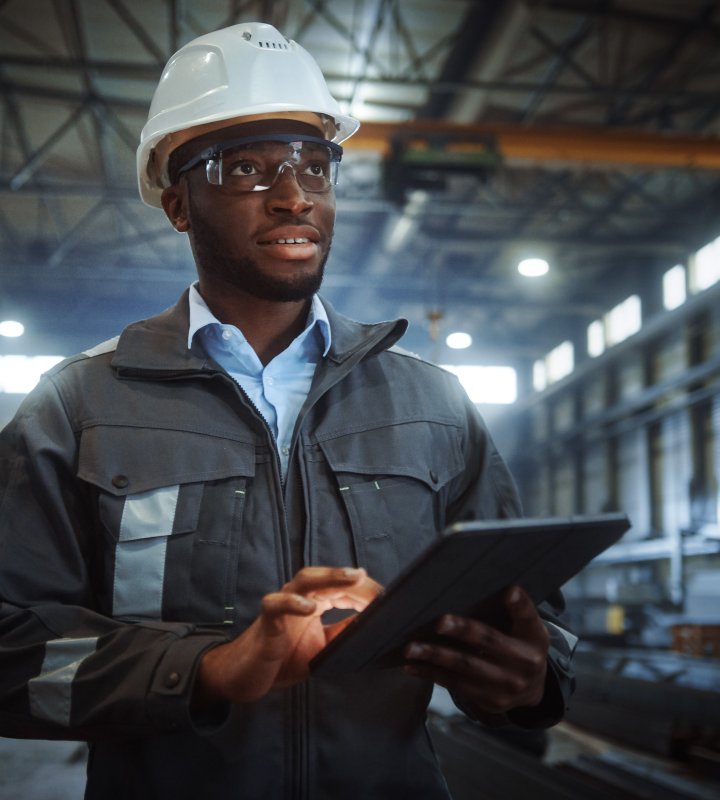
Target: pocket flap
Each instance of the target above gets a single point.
(123, 460)
(427, 451)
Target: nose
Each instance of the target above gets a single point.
(286, 195)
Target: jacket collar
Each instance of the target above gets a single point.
(350, 337)
(159, 344)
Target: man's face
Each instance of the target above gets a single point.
(270, 244)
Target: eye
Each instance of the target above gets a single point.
(317, 169)
(242, 168)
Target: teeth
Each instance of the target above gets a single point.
(290, 241)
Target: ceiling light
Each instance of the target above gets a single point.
(458, 340)
(533, 267)
(11, 328)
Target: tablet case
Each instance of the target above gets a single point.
(464, 573)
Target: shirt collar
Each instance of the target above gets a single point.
(201, 316)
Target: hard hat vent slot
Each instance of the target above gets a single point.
(273, 45)
(265, 37)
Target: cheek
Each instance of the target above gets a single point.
(326, 213)
(215, 214)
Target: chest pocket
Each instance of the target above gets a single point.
(391, 482)
(169, 508)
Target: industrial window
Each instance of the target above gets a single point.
(596, 338)
(623, 321)
(705, 266)
(487, 384)
(673, 286)
(20, 374)
(620, 322)
(558, 363)
(539, 375)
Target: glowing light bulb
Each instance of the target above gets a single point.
(533, 267)
(11, 328)
(458, 340)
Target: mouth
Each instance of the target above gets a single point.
(294, 240)
(289, 234)
(291, 244)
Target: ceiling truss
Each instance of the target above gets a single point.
(604, 117)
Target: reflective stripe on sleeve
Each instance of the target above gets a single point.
(147, 522)
(51, 691)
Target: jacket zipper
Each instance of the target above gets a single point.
(298, 693)
(301, 735)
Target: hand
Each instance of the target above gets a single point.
(276, 649)
(489, 671)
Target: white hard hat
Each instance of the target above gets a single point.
(245, 71)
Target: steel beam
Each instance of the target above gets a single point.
(36, 159)
(151, 72)
(591, 147)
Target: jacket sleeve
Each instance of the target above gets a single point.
(486, 490)
(67, 671)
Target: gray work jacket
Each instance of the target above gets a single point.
(142, 518)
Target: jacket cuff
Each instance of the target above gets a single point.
(551, 709)
(171, 690)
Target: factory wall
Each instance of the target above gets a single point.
(636, 430)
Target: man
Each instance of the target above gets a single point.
(181, 506)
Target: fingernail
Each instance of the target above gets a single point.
(414, 651)
(352, 572)
(447, 625)
(515, 596)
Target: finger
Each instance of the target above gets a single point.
(493, 694)
(459, 662)
(311, 579)
(350, 585)
(523, 611)
(466, 637)
(526, 626)
(516, 679)
(277, 605)
(453, 668)
(526, 622)
(473, 634)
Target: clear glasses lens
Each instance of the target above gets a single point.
(255, 167)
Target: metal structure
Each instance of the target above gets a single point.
(580, 130)
(479, 763)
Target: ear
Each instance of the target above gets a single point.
(174, 203)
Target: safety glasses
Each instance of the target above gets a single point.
(254, 163)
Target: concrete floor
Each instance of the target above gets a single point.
(40, 770)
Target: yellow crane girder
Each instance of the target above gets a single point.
(586, 147)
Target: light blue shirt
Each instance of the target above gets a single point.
(279, 389)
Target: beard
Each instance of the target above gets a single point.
(243, 273)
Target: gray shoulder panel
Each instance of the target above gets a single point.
(107, 346)
(403, 352)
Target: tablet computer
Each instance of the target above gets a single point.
(464, 573)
